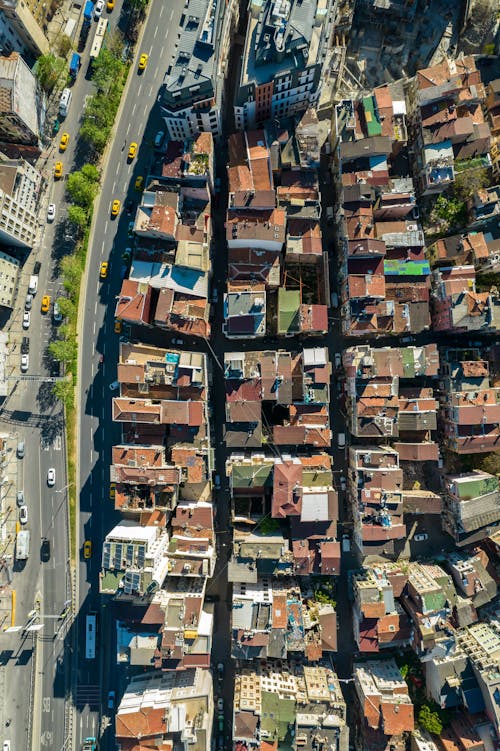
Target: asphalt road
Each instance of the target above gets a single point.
(139, 120)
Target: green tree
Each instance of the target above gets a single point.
(47, 69)
(450, 211)
(81, 190)
(491, 463)
(71, 269)
(64, 391)
(138, 5)
(78, 216)
(469, 182)
(64, 45)
(430, 720)
(90, 173)
(96, 136)
(106, 70)
(67, 307)
(63, 350)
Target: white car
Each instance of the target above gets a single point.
(25, 363)
(51, 212)
(57, 315)
(23, 514)
(421, 537)
(6, 746)
(220, 705)
(26, 319)
(51, 477)
(98, 9)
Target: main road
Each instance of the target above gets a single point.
(138, 120)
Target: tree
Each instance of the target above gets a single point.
(64, 391)
(491, 463)
(91, 173)
(67, 307)
(96, 136)
(138, 5)
(450, 211)
(47, 69)
(469, 182)
(71, 270)
(78, 216)
(64, 45)
(63, 350)
(82, 190)
(430, 720)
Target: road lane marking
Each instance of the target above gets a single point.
(135, 105)
(171, 14)
(156, 31)
(151, 91)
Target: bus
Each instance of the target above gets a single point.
(99, 37)
(90, 635)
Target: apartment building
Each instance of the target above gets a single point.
(492, 110)
(471, 506)
(20, 186)
(174, 709)
(21, 107)
(23, 24)
(283, 60)
(457, 306)
(191, 100)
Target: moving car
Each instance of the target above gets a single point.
(51, 477)
(346, 544)
(58, 170)
(341, 440)
(87, 549)
(25, 363)
(115, 207)
(159, 139)
(130, 230)
(139, 182)
(112, 490)
(63, 143)
(111, 699)
(115, 385)
(45, 550)
(220, 705)
(23, 514)
(143, 61)
(338, 360)
(51, 212)
(45, 304)
(104, 270)
(98, 9)
(118, 326)
(110, 5)
(26, 319)
(421, 537)
(132, 150)
(343, 482)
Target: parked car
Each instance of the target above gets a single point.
(87, 549)
(25, 363)
(421, 537)
(111, 699)
(217, 481)
(220, 704)
(139, 182)
(337, 358)
(25, 345)
(220, 670)
(343, 482)
(341, 440)
(20, 498)
(178, 341)
(51, 212)
(115, 385)
(98, 9)
(56, 313)
(215, 295)
(346, 544)
(51, 477)
(63, 144)
(20, 451)
(23, 514)
(28, 302)
(159, 139)
(45, 306)
(26, 319)
(334, 300)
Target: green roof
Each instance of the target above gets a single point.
(252, 475)
(276, 714)
(400, 267)
(316, 478)
(110, 580)
(408, 358)
(288, 311)
(476, 487)
(373, 125)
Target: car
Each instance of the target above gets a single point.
(56, 313)
(421, 537)
(45, 550)
(111, 699)
(51, 477)
(51, 212)
(139, 182)
(26, 319)
(20, 498)
(130, 229)
(129, 206)
(45, 306)
(58, 170)
(115, 385)
(220, 743)
(220, 670)
(337, 358)
(346, 544)
(115, 207)
(118, 326)
(220, 720)
(104, 270)
(177, 341)
(127, 255)
(408, 340)
(143, 61)
(55, 369)
(215, 295)
(343, 483)
(23, 514)
(341, 440)
(87, 549)
(25, 363)
(220, 705)
(21, 448)
(25, 345)
(98, 9)
(28, 302)
(110, 5)
(217, 184)
(63, 143)
(217, 481)
(112, 490)
(334, 300)
(159, 139)
(132, 150)
(6, 746)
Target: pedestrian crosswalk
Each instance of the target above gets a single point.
(88, 694)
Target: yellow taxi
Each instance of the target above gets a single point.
(132, 150)
(58, 170)
(139, 182)
(115, 207)
(87, 549)
(118, 326)
(104, 270)
(110, 5)
(63, 143)
(112, 490)
(45, 304)
(143, 61)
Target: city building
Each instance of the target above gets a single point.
(492, 109)
(471, 506)
(191, 99)
(272, 697)
(21, 108)
(456, 304)
(167, 709)
(20, 186)
(23, 24)
(283, 61)
(10, 269)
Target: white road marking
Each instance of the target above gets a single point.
(151, 91)
(156, 31)
(162, 51)
(171, 14)
(94, 319)
(133, 108)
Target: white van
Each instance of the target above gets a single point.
(33, 285)
(64, 102)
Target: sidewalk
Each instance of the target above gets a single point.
(9, 467)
